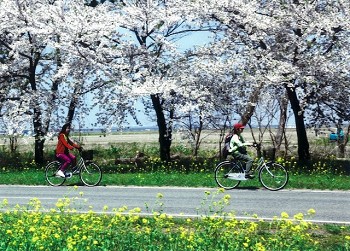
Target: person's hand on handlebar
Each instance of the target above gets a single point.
(255, 144)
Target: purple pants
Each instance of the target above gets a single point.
(66, 160)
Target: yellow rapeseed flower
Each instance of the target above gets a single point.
(59, 204)
(227, 197)
(122, 209)
(284, 215)
(35, 239)
(253, 227)
(136, 210)
(259, 247)
(5, 202)
(299, 216)
(311, 211)
(296, 228)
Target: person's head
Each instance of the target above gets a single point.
(238, 128)
(65, 128)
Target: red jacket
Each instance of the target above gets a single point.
(64, 144)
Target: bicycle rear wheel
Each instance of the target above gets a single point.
(90, 174)
(273, 176)
(50, 174)
(226, 174)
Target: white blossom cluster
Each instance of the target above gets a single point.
(127, 51)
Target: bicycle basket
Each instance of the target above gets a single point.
(87, 154)
(269, 153)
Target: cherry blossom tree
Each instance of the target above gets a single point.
(211, 91)
(152, 29)
(123, 51)
(25, 35)
(292, 41)
(49, 46)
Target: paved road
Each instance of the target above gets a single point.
(330, 206)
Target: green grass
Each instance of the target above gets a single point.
(203, 179)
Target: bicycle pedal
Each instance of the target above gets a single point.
(68, 175)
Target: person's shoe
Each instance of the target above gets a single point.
(60, 173)
(249, 175)
(68, 175)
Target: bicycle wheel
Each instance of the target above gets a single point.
(273, 176)
(227, 174)
(90, 174)
(50, 174)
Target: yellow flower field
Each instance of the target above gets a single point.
(62, 228)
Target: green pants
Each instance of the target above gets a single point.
(246, 158)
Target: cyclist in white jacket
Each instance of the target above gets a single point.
(239, 151)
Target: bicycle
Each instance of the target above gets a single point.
(90, 173)
(273, 176)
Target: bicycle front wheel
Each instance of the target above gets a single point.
(227, 173)
(90, 174)
(50, 174)
(273, 176)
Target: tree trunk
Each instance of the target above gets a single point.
(253, 100)
(39, 150)
(165, 132)
(303, 143)
(197, 136)
(73, 104)
(41, 127)
(342, 141)
(39, 139)
(283, 103)
(37, 118)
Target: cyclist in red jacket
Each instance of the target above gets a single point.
(64, 144)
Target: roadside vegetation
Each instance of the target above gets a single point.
(33, 227)
(120, 167)
(30, 227)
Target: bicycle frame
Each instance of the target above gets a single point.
(89, 172)
(260, 164)
(229, 173)
(80, 163)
